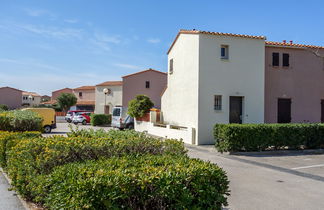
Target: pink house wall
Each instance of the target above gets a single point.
(302, 82)
(56, 94)
(135, 84)
(10, 97)
(87, 95)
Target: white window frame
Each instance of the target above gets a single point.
(226, 48)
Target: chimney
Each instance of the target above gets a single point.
(291, 42)
(284, 41)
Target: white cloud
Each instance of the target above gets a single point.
(106, 38)
(71, 20)
(127, 66)
(38, 12)
(60, 33)
(154, 40)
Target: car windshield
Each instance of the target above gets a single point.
(116, 112)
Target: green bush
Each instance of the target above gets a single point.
(100, 119)
(19, 120)
(146, 182)
(140, 105)
(4, 107)
(101, 133)
(31, 159)
(258, 137)
(10, 139)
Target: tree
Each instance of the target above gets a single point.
(4, 107)
(66, 100)
(140, 105)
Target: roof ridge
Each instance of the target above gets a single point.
(292, 44)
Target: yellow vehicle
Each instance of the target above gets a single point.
(48, 115)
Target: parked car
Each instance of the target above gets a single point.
(48, 115)
(120, 119)
(70, 114)
(82, 117)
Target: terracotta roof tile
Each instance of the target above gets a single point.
(31, 94)
(111, 83)
(288, 44)
(62, 89)
(49, 102)
(85, 88)
(85, 103)
(11, 88)
(183, 31)
(140, 72)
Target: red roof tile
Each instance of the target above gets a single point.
(182, 31)
(85, 88)
(111, 83)
(140, 72)
(288, 44)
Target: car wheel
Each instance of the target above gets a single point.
(69, 121)
(75, 123)
(131, 127)
(84, 122)
(47, 129)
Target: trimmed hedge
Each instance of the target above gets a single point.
(19, 120)
(4, 107)
(258, 137)
(34, 157)
(112, 170)
(146, 182)
(100, 119)
(10, 139)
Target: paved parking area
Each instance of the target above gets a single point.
(294, 181)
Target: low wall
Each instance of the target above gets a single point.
(187, 134)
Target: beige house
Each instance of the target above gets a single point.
(108, 95)
(30, 99)
(10, 97)
(86, 98)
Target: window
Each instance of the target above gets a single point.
(217, 102)
(275, 59)
(285, 59)
(80, 94)
(224, 51)
(171, 66)
(147, 84)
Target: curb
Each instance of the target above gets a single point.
(26, 205)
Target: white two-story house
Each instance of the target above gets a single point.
(214, 78)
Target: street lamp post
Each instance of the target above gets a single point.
(30, 97)
(106, 91)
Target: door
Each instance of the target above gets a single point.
(235, 115)
(322, 111)
(107, 109)
(284, 110)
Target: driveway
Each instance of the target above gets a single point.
(290, 181)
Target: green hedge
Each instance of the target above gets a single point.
(100, 119)
(258, 137)
(112, 170)
(19, 120)
(146, 182)
(4, 107)
(10, 139)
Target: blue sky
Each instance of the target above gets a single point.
(47, 45)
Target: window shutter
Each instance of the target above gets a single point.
(275, 59)
(285, 59)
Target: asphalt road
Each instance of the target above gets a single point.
(291, 181)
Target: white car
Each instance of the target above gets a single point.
(80, 118)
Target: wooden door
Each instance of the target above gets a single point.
(235, 115)
(284, 110)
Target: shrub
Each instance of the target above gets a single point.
(66, 100)
(4, 107)
(100, 119)
(101, 133)
(10, 139)
(19, 120)
(257, 137)
(30, 159)
(146, 182)
(140, 105)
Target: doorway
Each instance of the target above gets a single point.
(236, 109)
(107, 109)
(284, 110)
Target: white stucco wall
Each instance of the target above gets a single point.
(113, 99)
(180, 100)
(241, 75)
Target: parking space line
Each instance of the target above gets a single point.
(312, 166)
